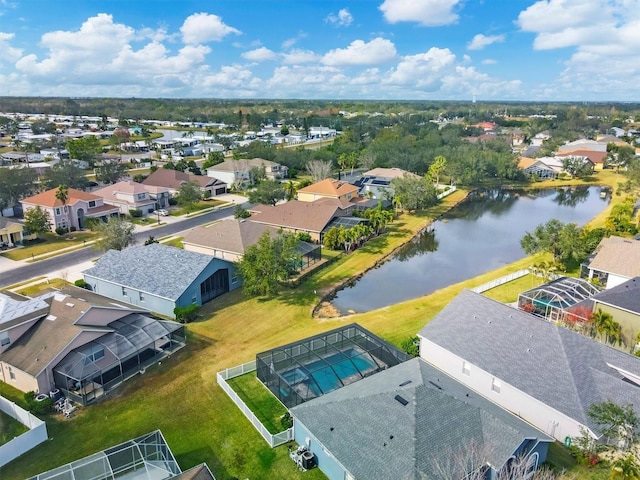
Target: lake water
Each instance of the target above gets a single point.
(479, 235)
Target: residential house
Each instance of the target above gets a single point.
(597, 158)
(616, 260)
(409, 422)
(622, 302)
(328, 188)
(79, 206)
(12, 232)
(172, 180)
(237, 173)
(160, 278)
(128, 195)
(544, 373)
(147, 457)
(78, 343)
(537, 167)
(296, 216)
(583, 144)
(539, 138)
(229, 239)
(376, 183)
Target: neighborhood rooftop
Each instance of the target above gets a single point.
(617, 255)
(551, 363)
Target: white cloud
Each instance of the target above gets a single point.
(489, 61)
(205, 27)
(296, 57)
(430, 13)
(290, 42)
(423, 69)
(379, 50)
(259, 55)
(342, 19)
(480, 41)
(7, 52)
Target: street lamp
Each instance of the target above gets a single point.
(158, 211)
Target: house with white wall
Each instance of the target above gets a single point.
(616, 260)
(128, 195)
(542, 372)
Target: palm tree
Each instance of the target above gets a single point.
(62, 194)
(291, 190)
(601, 321)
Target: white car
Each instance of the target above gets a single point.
(162, 212)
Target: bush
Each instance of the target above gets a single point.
(81, 283)
(61, 231)
(186, 314)
(241, 212)
(73, 229)
(173, 201)
(286, 421)
(35, 407)
(135, 213)
(304, 237)
(411, 346)
(91, 223)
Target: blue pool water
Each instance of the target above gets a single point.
(328, 377)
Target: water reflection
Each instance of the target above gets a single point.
(479, 235)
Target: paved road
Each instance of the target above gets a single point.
(61, 262)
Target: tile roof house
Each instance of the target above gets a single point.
(11, 231)
(407, 422)
(160, 277)
(79, 206)
(78, 342)
(128, 195)
(173, 180)
(328, 188)
(238, 172)
(376, 183)
(296, 216)
(544, 373)
(616, 260)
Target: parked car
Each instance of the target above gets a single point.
(162, 212)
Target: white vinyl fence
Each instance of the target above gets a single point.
(35, 436)
(223, 376)
(449, 191)
(500, 281)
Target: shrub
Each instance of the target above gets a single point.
(73, 229)
(173, 201)
(304, 237)
(91, 223)
(241, 212)
(61, 231)
(186, 314)
(411, 346)
(207, 195)
(35, 407)
(286, 421)
(81, 283)
(135, 213)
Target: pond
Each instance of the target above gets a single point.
(479, 235)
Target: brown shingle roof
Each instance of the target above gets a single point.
(308, 216)
(229, 235)
(526, 162)
(48, 198)
(393, 172)
(595, 157)
(164, 177)
(329, 187)
(241, 165)
(617, 255)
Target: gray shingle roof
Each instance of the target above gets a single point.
(557, 366)
(155, 269)
(625, 296)
(374, 436)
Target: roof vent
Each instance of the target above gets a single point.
(51, 317)
(401, 400)
(71, 305)
(405, 383)
(435, 385)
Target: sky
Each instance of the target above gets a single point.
(490, 50)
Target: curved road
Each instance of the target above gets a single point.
(59, 262)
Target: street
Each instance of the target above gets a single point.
(65, 261)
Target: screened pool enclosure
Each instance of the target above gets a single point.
(309, 368)
(136, 341)
(144, 458)
(553, 299)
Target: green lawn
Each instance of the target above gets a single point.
(202, 205)
(49, 243)
(174, 242)
(10, 428)
(181, 396)
(260, 400)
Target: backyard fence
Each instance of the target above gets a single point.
(448, 191)
(272, 439)
(500, 281)
(35, 436)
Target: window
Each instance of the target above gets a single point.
(234, 277)
(12, 375)
(194, 300)
(124, 292)
(57, 211)
(141, 196)
(496, 385)
(4, 339)
(466, 368)
(92, 203)
(140, 296)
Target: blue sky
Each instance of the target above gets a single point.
(555, 50)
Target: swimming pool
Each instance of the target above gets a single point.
(329, 373)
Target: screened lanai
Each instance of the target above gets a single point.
(137, 341)
(317, 365)
(552, 299)
(144, 458)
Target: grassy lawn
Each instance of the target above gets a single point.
(10, 428)
(38, 287)
(49, 243)
(174, 242)
(202, 205)
(181, 396)
(260, 400)
(150, 220)
(562, 461)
